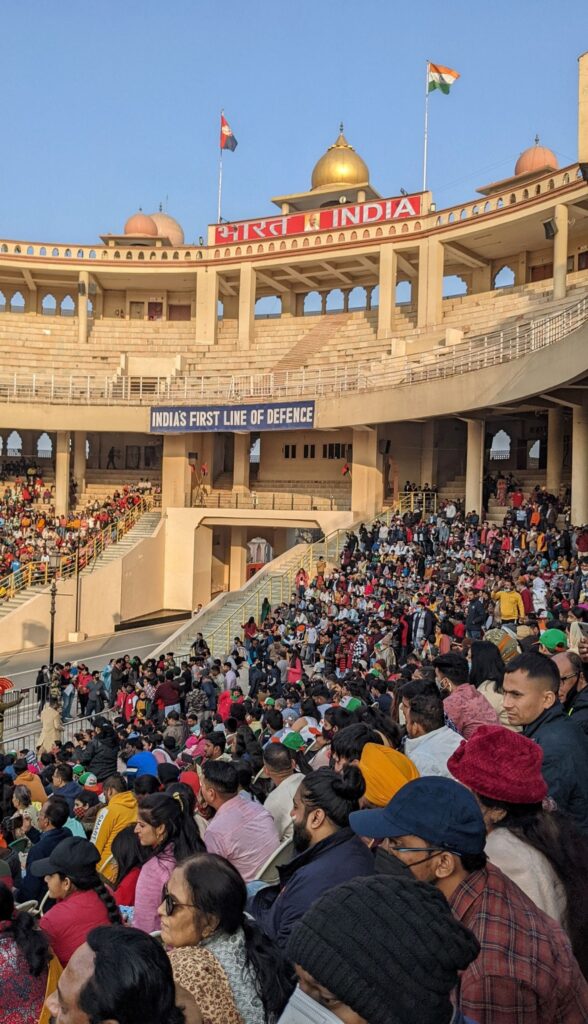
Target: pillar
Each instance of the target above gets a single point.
(241, 463)
(554, 450)
(238, 557)
(79, 461)
(520, 268)
(83, 289)
(474, 466)
(288, 299)
(583, 108)
(27, 437)
(230, 307)
(579, 473)
(299, 304)
(429, 454)
(62, 472)
(206, 304)
(430, 289)
(560, 251)
(247, 290)
(346, 295)
(387, 291)
(176, 476)
(481, 280)
(367, 478)
(202, 571)
(369, 293)
(324, 296)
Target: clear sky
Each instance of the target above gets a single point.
(112, 105)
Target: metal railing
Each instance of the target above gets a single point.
(409, 501)
(276, 501)
(22, 725)
(476, 353)
(39, 574)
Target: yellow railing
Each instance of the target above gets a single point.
(278, 584)
(38, 574)
(409, 501)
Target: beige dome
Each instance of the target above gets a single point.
(141, 224)
(536, 158)
(167, 227)
(340, 165)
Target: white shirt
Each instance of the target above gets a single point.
(431, 752)
(279, 804)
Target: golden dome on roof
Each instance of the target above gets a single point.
(141, 224)
(340, 165)
(536, 158)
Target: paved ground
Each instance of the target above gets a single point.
(22, 668)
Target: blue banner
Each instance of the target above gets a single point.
(191, 419)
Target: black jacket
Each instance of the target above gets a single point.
(476, 615)
(31, 887)
(100, 757)
(577, 708)
(565, 761)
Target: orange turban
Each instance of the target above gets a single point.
(385, 771)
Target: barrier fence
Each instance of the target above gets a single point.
(476, 353)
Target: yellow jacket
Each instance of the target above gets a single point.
(120, 812)
(510, 603)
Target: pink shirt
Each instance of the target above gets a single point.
(243, 832)
(154, 875)
(467, 708)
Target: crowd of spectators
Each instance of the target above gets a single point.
(372, 809)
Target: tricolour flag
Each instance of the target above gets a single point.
(441, 78)
(227, 139)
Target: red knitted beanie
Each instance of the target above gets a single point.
(500, 764)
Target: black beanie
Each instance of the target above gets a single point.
(387, 947)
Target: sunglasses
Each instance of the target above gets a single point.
(170, 903)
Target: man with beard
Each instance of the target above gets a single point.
(327, 852)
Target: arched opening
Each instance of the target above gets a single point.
(534, 455)
(14, 444)
(44, 446)
(312, 303)
(67, 306)
(90, 308)
(453, 285)
(17, 303)
(2, 302)
(88, 450)
(220, 309)
(500, 447)
(48, 305)
(357, 298)
(504, 278)
(268, 306)
(335, 301)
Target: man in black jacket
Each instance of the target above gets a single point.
(475, 617)
(573, 688)
(100, 756)
(531, 688)
(51, 831)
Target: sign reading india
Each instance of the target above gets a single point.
(332, 218)
(171, 419)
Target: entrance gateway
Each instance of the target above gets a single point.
(170, 419)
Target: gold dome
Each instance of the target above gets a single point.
(340, 165)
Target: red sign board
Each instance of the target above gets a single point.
(330, 219)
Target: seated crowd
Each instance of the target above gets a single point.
(373, 810)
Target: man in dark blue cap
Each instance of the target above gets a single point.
(526, 969)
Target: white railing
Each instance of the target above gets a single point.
(389, 371)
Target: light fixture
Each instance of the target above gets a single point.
(550, 228)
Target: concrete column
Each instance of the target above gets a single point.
(367, 478)
(520, 268)
(299, 304)
(346, 294)
(579, 472)
(247, 290)
(430, 288)
(206, 304)
(62, 472)
(474, 466)
(481, 280)
(554, 449)
(387, 291)
(27, 438)
(324, 296)
(83, 289)
(241, 463)
(429, 454)
(237, 557)
(583, 108)
(230, 307)
(176, 477)
(79, 461)
(560, 252)
(202, 573)
(369, 292)
(288, 299)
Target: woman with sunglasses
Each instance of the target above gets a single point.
(169, 834)
(218, 954)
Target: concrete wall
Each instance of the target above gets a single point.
(274, 466)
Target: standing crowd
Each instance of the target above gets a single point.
(373, 809)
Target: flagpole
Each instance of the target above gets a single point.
(426, 137)
(220, 178)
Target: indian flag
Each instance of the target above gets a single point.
(440, 78)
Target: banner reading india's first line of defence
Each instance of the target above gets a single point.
(172, 419)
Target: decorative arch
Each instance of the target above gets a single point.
(17, 302)
(44, 446)
(48, 305)
(335, 300)
(513, 198)
(379, 233)
(141, 256)
(504, 277)
(42, 251)
(14, 444)
(67, 306)
(30, 250)
(2, 301)
(500, 446)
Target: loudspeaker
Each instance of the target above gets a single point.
(81, 288)
(550, 228)
(384, 447)
(584, 171)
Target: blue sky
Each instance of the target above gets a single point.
(112, 105)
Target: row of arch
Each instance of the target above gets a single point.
(15, 302)
(43, 446)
